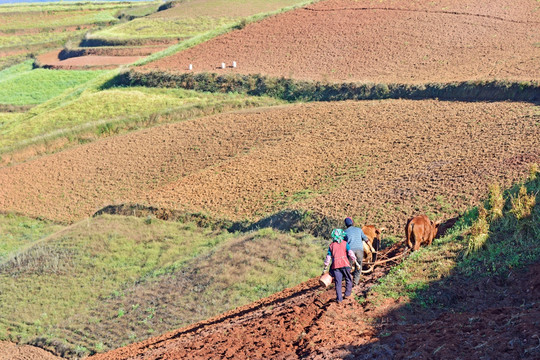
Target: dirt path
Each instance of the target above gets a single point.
(379, 41)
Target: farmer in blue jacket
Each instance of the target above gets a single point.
(341, 268)
(355, 238)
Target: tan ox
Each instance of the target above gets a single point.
(420, 230)
(372, 246)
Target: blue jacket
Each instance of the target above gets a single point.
(354, 238)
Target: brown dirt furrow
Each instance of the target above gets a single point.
(380, 161)
(409, 42)
(51, 60)
(11, 351)
(112, 51)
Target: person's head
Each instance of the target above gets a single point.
(338, 235)
(348, 222)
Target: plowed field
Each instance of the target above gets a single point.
(382, 41)
(51, 60)
(10, 351)
(379, 161)
(305, 322)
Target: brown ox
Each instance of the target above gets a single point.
(374, 236)
(420, 230)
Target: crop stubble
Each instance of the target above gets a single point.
(380, 161)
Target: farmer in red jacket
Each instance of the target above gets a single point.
(341, 268)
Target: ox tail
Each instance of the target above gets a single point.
(408, 232)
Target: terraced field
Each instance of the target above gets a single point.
(28, 29)
(227, 165)
(379, 161)
(383, 41)
(185, 20)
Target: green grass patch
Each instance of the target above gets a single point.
(55, 38)
(16, 70)
(136, 11)
(29, 87)
(55, 7)
(161, 28)
(17, 232)
(121, 279)
(488, 241)
(52, 19)
(10, 60)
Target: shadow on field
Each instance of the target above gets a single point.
(285, 220)
(487, 307)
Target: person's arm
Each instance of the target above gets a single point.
(327, 260)
(364, 236)
(351, 253)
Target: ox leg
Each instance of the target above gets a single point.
(416, 244)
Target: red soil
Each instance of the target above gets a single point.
(305, 322)
(10, 351)
(383, 41)
(380, 161)
(50, 60)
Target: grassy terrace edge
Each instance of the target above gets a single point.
(297, 90)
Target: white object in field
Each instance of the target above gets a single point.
(325, 280)
(223, 65)
(190, 67)
(234, 64)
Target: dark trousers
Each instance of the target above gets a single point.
(339, 275)
(357, 274)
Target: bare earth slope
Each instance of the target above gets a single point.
(378, 160)
(305, 322)
(10, 351)
(380, 41)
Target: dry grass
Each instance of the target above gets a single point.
(495, 201)
(523, 204)
(111, 280)
(479, 232)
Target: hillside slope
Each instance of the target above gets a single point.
(457, 298)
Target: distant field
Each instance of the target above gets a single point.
(59, 6)
(21, 41)
(50, 19)
(162, 28)
(109, 281)
(379, 41)
(34, 86)
(188, 19)
(222, 8)
(29, 29)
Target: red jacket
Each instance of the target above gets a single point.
(339, 255)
